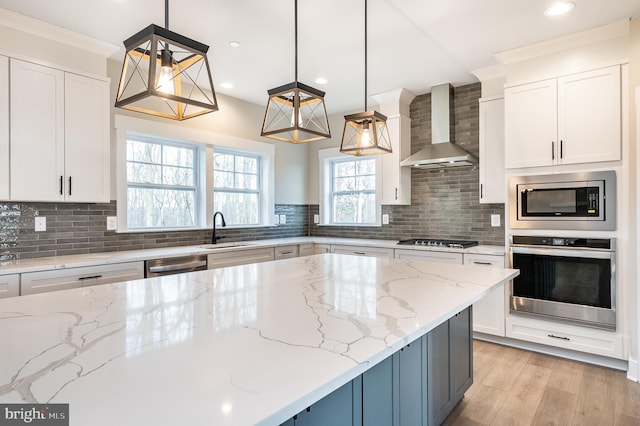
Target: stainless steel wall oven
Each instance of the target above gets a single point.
(567, 279)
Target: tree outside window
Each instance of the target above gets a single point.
(236, 186)
(353, 191)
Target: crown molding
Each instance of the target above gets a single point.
(49, 31)
(611, 31)
(489, 73)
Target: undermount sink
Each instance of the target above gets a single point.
(223, 245)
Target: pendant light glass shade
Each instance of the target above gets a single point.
(166, 74)
(365, 133)
(296, 112)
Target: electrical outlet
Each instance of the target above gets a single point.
(385, 219)
(495, 220)
(41, 223)
(112, 223)
(276, 219)
(283, 219)
(316, 218)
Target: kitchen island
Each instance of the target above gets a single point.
(252, 344)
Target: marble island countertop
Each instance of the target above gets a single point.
(103, 258)
(252, 344)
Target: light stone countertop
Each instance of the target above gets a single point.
(252, 344)
(105, 258)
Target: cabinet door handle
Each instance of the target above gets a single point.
(558, 337)
(477, 262)
(560, 148)
(61, 183)
(553, 150)
(481, 187)
(286, 252)
(396, 193)
(69, 185)
(90, 277)
(359, 252)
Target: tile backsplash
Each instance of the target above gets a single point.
(81, 229)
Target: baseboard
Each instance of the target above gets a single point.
(603, 361)
(633, 373)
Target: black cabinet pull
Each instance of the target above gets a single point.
(481, 190)
(89, 277)
(61, 183)
(359, 252)
(561, 148)
(477, 262)
(396, 193)
(553, 150)
(558, 337)
(69, 185)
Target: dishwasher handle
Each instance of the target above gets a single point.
(178, 267)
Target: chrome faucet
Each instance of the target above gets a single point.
(214, 239)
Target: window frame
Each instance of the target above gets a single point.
(327, 157)
(207, 141)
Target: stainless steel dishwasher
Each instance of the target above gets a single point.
(174, 265)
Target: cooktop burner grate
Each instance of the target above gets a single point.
(432, 242)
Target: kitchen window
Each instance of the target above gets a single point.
(236, 186)
(350, 187)
(162, 185)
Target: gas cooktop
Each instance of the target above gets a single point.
(431, 242)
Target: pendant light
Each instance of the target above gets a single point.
(166, 74)
(365, 133)
(296, 112)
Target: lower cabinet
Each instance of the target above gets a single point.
(240, 257)
(305, 249)
(489, 313)
(429, 256)
(362, 251)
(285, 252)
(9, 285)
(62, 279)
(418, 385)
(321, 248)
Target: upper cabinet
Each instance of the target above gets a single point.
(4, 128)
(59, 135)
(396, 180)
(492, 181)
(568, 120)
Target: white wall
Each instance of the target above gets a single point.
(634, 132)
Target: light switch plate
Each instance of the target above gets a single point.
(495, 220)
(112, 223)
(283, 219)
(385, 219)
(316, 218)
(276, 219)
(41, 223)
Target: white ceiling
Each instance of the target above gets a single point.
(413, 44)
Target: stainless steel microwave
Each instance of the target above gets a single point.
(584, 201)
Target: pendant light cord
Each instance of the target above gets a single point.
(365, 55)
(296, 36)
(166, 14)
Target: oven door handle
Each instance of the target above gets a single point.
(562, 252)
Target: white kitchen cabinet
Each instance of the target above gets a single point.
(9, 285)
(396, 180)
(489, 312)
(568, 120)
(305, 250)
(59, 137)
(285, 252)
(63, 279)
(492, 173)
(86, 139)
(321, 248)
(4, 128)
(239, 257)
(362, 251)
(429, 256)
(565, 336)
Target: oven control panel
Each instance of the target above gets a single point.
(531, 240)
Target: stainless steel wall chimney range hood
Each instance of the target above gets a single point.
(442, 152)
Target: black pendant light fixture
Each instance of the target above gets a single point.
(296, 112)
(365, 133)
(166, 74)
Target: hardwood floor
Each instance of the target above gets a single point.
(517, 387)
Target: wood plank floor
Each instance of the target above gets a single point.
(517, 387)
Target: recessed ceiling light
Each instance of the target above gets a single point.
(321, 80)
(559, 8)
(234, 44)
(226, 85)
